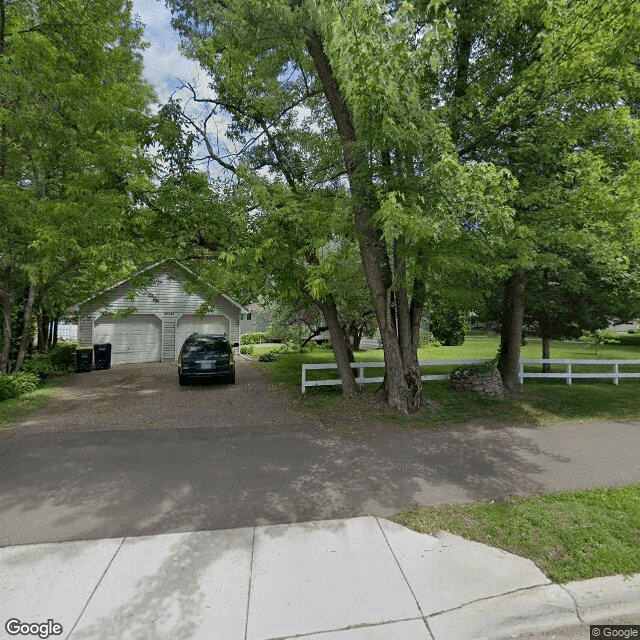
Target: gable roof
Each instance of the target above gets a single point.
(167, 262)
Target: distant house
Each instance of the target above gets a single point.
(625, 326)
(150, 324)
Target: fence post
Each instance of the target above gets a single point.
(616, 377)
(569, 381)
(304, 377)
(521, 372)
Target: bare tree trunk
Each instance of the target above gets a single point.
(511, 331)
(7, 313)
(22, 351)
(340, 347)
(55, 333)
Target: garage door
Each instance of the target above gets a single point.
(134, 339)
(190, 324)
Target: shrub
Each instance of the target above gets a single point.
(63, 356)
(247, 349)
(59, 358)
(268, 357)
(448, 325)
(425, 337)
(17, 384)
(629, 339)
(38, 364)
(254, 337)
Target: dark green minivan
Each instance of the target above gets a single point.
(206, 357)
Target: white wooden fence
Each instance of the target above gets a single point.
(568, 374)
(363, 366)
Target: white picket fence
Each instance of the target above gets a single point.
(568, 374)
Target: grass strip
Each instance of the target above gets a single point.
(569, 536)
(14, 409)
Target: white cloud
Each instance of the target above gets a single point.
(164, 66)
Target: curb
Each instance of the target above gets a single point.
(605, 597)
(542, 609)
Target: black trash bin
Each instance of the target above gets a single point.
(84, 357)
(102, 355)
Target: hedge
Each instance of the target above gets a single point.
(253, 337)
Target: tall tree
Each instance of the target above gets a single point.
(311, 86)
(533, 87)
(73, 118)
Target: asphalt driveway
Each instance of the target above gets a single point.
(127, 452)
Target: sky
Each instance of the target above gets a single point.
(164, 66)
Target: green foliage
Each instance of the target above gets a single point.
(73, 122)
(14, 385)
(253, 337)
(608, 336)
(448, 324)
(38, 364)
(247, 349)
(629, 339)
(268, 357)
(62, 356)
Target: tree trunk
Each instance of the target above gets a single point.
(340, 347)
(43, 326)
(373, 252)
(22, 351)
(356, 333)
(7, 312)
(55, 333)
(546, 354)
(511, 331)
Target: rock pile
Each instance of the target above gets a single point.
(487, 384)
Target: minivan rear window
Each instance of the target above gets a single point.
(206, 346)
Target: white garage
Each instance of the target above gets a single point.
(149, 323)
(134, 339)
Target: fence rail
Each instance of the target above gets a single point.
(568, 374)
(363, 366)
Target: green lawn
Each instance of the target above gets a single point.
(570, 536)
(543, 401)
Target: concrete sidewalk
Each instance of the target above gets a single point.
(356, 579)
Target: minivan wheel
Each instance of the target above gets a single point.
(182, 380)
(232, 378)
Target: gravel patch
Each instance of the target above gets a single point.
(148, 396)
